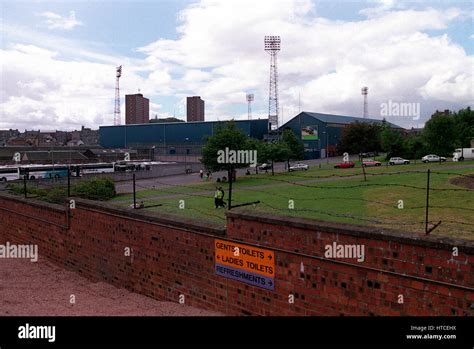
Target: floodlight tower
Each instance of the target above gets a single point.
(272, 46)
(117, 97)
(365, 91)
(250, 98)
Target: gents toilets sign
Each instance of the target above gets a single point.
(252, 265)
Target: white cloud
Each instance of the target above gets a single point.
(156, 110)
(324, 61)
(219, 55)
(55, 21)
(381, 7)
(43, 92)
(67, 47)
(39, 90)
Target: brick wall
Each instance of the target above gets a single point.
(176, 257)
(421, 269)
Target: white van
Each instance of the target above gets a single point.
(464, 154)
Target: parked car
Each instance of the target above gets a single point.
(346, 164)
(370, 162)
(398, 161)
(432, 158)
(265, 166)
(299, 167)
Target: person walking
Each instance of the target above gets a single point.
(223, 204)
(217, 197)
(201, 173)
(221, 200)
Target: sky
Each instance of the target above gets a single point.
(58, 58)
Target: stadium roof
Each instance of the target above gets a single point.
(341, 119)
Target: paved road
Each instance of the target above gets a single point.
(126, 186)
(193, 178)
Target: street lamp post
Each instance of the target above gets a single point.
(326, 134)
(327, 147)
(319, 146)
(52, 158)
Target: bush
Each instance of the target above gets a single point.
(95, 189)
(18, 189)
(56, 195)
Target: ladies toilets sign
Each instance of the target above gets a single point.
(248, 264)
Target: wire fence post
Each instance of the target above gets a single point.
(134, 193)
(68, 181)
(24, 186)
(230, 187)
(427, 200)
(363, 170)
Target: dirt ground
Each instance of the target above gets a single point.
(41, 288)
(464, 181)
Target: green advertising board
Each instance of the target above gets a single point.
(309, 133)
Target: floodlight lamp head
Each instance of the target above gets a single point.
(250, 97)
(364, 90)
(272, 43)
(119, 71)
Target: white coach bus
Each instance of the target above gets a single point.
(85, 169)
(9, 173)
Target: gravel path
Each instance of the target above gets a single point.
(41, 288)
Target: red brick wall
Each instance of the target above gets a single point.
(177, 257)
(422, 269)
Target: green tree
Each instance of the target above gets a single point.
(277, 151)
(228, 136)
(464, 127)
(439, 134)
(258, 145)
(414, 147)
(360, 137)
(295, 148)
(392, 143)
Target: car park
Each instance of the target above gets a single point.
(398, 161)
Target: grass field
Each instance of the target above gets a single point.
(323, 194)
